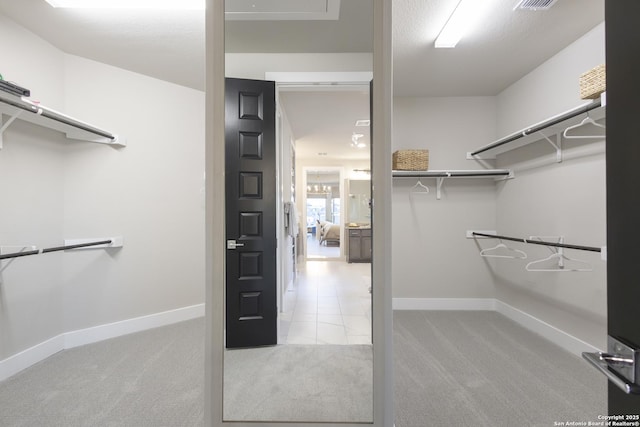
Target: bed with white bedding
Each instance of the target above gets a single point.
(328, 232)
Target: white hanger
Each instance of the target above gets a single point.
(577, 265)
(511, 253)
(419, 188)
(586, 120)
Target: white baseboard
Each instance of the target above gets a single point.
(463, 304)
(16, 363)
(557, 336)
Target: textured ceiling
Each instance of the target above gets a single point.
(504, 47)
(169, 45)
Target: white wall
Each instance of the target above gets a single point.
(551, 88)
(432, 257)
(31, 186)
(149, 192)
(548, 198)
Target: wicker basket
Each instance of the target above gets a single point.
(411, 160)
(593, 82)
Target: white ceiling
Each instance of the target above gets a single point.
(169, 45)
(323, 122)
(505, 47)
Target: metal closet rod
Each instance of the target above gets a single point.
(56, 249)
(584, 109)
(539, 242)
(50, 114)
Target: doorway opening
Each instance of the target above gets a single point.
(323, 213)
(324, 131)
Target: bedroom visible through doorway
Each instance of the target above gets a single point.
(323, 209)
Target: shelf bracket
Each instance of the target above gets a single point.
(4, 126)
(557, 145)
(439, 182)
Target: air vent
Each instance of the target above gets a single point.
(535, 4)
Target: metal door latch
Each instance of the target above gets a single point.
(621, 364)
(232, 244)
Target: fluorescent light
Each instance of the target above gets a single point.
(466, 14)
(129, 4)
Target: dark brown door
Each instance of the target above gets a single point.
(250, 213)
(623, 196)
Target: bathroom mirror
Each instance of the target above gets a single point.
(359, 202)
(318, 367)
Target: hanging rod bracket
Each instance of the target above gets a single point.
(471, 236)
(116, 242)
(511, 175)
(117, 141)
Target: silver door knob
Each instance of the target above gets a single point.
(232, 244)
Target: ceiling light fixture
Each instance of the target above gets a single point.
(466, 14)
(129, 4)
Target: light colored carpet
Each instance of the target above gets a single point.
(451, 369)
(481, 369)
(299, 383)
(153, 378)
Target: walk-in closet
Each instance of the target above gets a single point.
(491, 285)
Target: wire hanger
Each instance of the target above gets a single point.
(561, 265)
(503, 251)
(419, 188)
(585, 121)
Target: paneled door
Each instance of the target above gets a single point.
(623, 197)
(250, 162)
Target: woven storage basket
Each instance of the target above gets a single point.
(411, 160)
(593, 82)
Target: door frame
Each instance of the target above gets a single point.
(294, 81)
(340, 170)
(214, 225)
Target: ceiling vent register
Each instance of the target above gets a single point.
(535, 4)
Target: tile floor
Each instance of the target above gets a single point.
(317, 250)
(329, 303)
